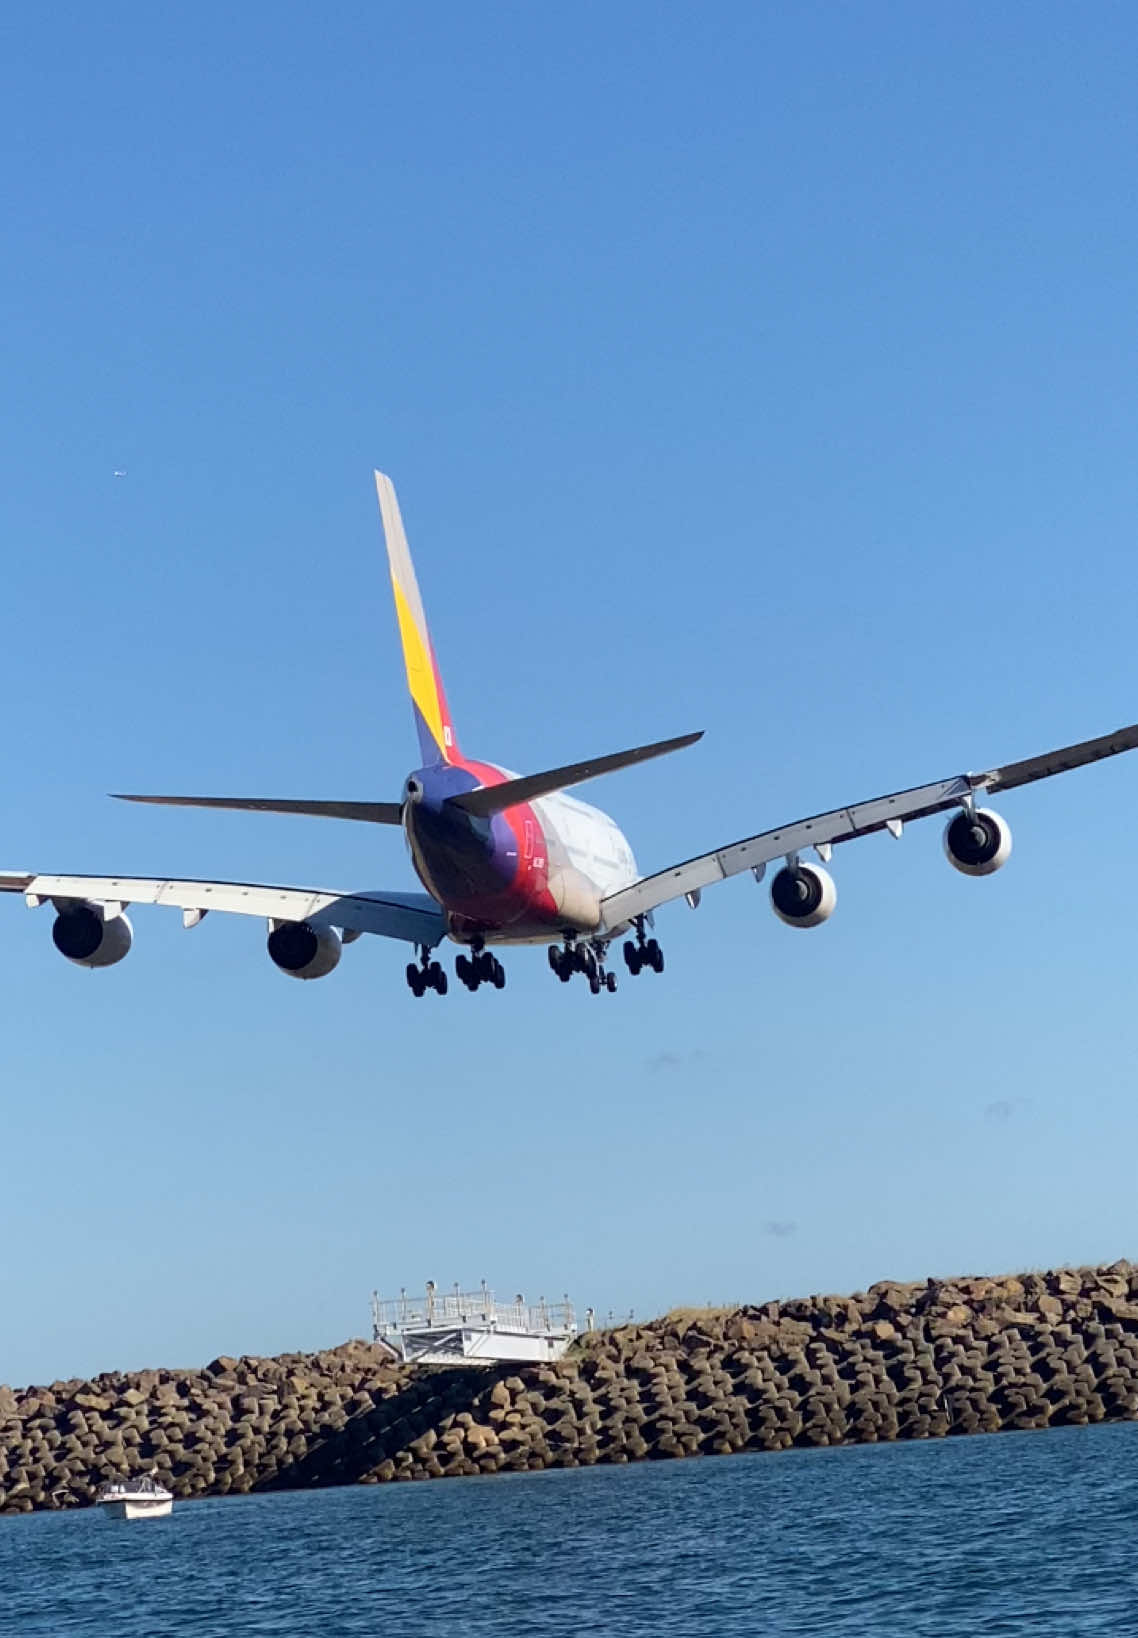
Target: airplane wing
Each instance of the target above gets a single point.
(844, 824)
(414, 917)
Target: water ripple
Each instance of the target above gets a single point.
(998, 1537)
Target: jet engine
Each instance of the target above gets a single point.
(304, 951)
(977, 843)
(80, 933)
(803, 895)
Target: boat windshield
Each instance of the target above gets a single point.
(144, 1485)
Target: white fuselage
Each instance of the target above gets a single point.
(534, 872)
(593, 843)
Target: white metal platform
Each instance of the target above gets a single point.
(442, 1328)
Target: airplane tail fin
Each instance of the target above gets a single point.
(437, 742)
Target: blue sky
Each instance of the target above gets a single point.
(762, 369)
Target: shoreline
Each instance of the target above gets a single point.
(931, 1359)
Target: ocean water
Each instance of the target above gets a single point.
(1010, 1534)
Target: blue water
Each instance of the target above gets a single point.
(1017, 1533)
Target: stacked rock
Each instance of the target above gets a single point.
(229, 1427)
(897, 1362)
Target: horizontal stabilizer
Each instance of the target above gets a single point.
(371, 813)
(491, 799)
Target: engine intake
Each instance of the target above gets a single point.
(803, 895)
(977, 843)
(80, 933)
(304, 951)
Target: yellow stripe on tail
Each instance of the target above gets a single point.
(432, 717)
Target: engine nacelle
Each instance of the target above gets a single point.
(803, 895)
(304, 951)
(80, 933)
(977, 843)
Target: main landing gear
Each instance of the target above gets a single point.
(480, 967)
(583, 958)
(644, 953)
(428, 975)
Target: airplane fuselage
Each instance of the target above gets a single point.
(530, 874)
(509, 859)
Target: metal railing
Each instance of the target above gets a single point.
(393, 1315)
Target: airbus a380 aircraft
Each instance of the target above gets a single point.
(509, 860)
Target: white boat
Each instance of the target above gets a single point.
(140, 1498)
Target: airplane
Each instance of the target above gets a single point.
(508, 859)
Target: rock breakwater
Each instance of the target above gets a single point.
(900, 1361)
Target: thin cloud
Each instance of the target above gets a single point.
(1003, 1109)
(781, 1230)
(662, 1061)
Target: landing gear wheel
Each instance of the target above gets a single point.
(610, 983)
(479, 968)
(633, 958)
(594, 984)
(654, 956)
(415, 980)
(554, 955)
(437, 978)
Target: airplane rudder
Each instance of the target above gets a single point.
(428, 697)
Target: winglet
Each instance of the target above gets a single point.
(433, 722)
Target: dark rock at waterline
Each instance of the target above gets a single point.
(899, 1361)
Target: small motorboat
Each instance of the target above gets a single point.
(139, 1498)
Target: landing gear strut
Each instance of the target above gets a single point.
(589, 959)
(644, 953)
(428, 975)
(480, 967)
